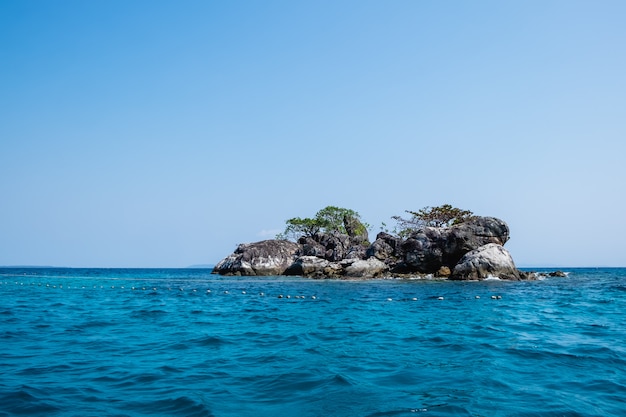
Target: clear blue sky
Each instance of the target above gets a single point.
(164, 133)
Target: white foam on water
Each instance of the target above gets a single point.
(492, 278)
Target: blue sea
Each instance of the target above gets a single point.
(183, 342)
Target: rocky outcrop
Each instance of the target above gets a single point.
(470, 250)
(311, 247)
(334, 246)
(268, 257)
(386, 248)
(364, 268)
(314, 267)
(488, 261)
(431, 247)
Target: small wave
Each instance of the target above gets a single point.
(295, 384)
(94, 323)
(341, 380)
(492, 278)
(45, 370)
(401, 412)
(8, 334)
(143, 313)
(166, 369)
(181, 406)
(27, 401)
(210, 341)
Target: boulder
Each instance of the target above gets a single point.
(314, 267)
(364, 268)
(310, 247)
(356, 252)
(386, 248)
(443, 272)
(529, 275)
(424, 250)
(429, 248)
(336, 245)
(268, 257)
(490, 260)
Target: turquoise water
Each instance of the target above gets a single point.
(83, 342)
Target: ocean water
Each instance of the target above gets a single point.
(146, 342)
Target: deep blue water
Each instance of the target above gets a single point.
(83, 342)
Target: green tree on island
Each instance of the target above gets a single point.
(327, 220)
(440, 216)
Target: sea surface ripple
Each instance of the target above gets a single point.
(183, 342)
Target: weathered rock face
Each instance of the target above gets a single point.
(336, 244)
(268, 257)
(364, 268)
(491, 260)
(310, 247)
(430, 248)
(332, 246)
(386, 248)
(314, 267)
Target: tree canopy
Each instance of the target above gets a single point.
(329, 219)
(440, 216)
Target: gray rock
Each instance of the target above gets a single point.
(529, 275)
(364, 268)
(386, 248)
(490, 260)
(314, 267)
(268, 257)
(356, 252)
(336, 245)
(430, 248)
(424, 250)
(311, 248)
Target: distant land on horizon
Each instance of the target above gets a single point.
(33, 266)
(198, 266)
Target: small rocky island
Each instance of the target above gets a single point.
(472, 249)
